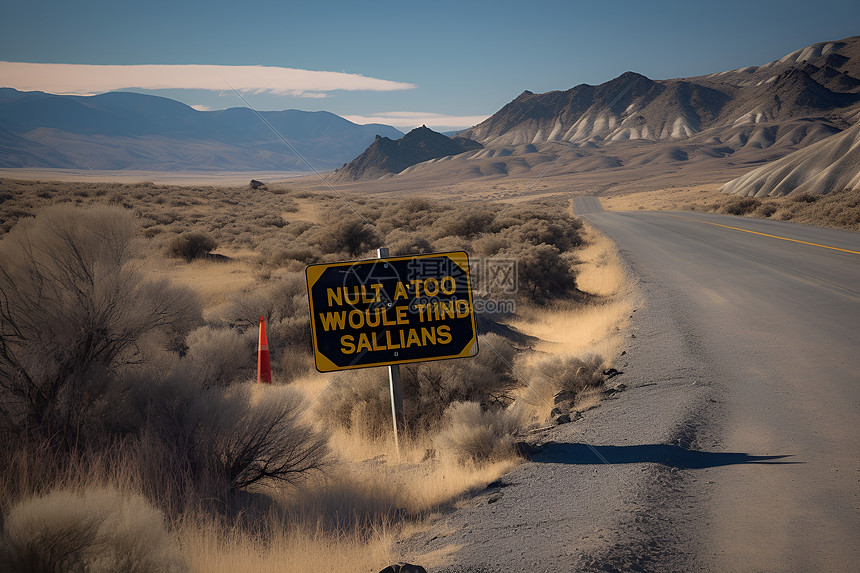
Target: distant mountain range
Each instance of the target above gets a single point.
(122, 130)
(386, 156)
(635, 133)
(631, 132)
(806, 95)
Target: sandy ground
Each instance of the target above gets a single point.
(673, 199)
(212, 280)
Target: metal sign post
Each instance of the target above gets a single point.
(394, 385)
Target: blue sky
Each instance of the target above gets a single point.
(441, 63)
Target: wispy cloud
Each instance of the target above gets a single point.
(86, 79)
(405, 120)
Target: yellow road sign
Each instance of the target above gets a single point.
(391, 311)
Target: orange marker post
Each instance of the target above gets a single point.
(264, 368)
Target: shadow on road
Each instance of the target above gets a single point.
(672, 456)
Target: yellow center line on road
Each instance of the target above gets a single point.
(767, 235)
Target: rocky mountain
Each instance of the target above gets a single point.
(803, 97)
(829, 165)
(124, 130)
(386, 156)
(634, 133)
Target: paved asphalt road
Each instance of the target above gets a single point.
(770, 314)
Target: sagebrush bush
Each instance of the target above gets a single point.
(94, 531)
(221, 356)
(470, 432)
(401, 242)
(542, 273)
(249, 434)
(553, 379)
(430, 387)
(360, 399)
(295, 257)
(359, 402)
(573, 373)
(282, 299)
(211, 441)
(766, 210)
(191, 245)
(467, 222)
(284, 305)
(805, 198)
(742, 206)
(410, 215)
(353, 237)
(74, 312)
(562, 233)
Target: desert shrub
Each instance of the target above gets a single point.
(190, 245)
(766, 210)
(473, 433)
(73, 313)
(247, 439)
(204, 446)
(740, 207)
(295, 363)
(359, 403)
(353, 237)
(221, 356)
(489, 245)
(572, 373)
(451, 243)
(151, 232)
(98, 530)
(297, 253)
(430, 387)
(272, 221)
(350, 237)
(465, 222)
(556, 380)
(805, 198)
(285, 298)
(542, 273)
(293, 332)
(409, 215)
(401, 242)
(560, 233)
(297, 228)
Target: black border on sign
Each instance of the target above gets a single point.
(459, 258)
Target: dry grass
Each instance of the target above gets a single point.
(671, 199)
(575, 329)
(214, 547)
(97, 530)
(213, 281)
(838, 210)
(575, 342)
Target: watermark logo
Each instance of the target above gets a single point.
(494, 281)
